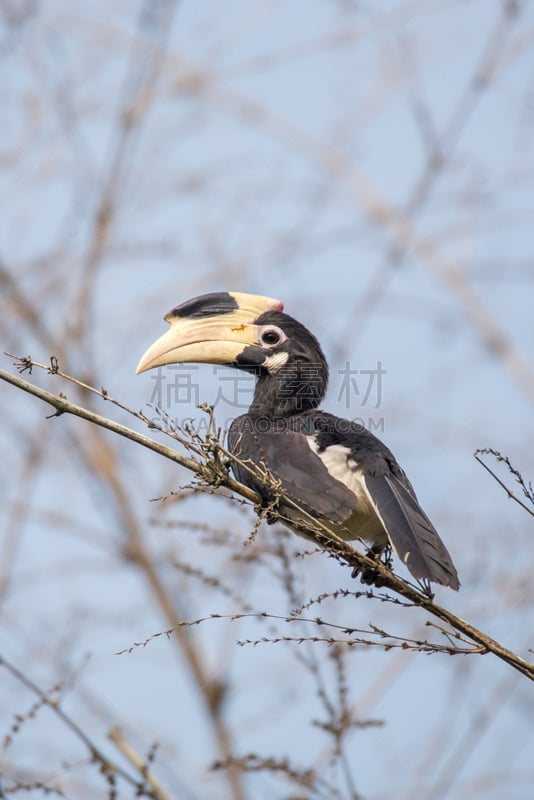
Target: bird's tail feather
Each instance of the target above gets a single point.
(413, 537)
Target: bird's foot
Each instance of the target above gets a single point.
(426, 588)
(371, 575)
(268, 510)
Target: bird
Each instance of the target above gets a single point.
(331, 469)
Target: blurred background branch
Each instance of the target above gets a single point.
(371, 165)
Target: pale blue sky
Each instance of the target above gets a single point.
(231, 183)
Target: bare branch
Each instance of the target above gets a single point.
(336, 547)
(116, 736)
(106, 764)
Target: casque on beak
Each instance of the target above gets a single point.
(213, 328)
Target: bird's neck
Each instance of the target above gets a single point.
(296, 388)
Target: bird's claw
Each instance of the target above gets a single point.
(371, 575)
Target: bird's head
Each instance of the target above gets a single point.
(252, 333)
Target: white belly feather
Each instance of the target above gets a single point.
(363, 522)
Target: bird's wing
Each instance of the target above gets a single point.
(289, 459)
(413, 537)
(355, 483)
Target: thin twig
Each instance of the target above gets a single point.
(391, 640)
(515, 472)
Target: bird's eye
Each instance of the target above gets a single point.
(271, 335)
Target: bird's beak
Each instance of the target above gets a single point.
(213, 329)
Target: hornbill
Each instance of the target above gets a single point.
(334, 469)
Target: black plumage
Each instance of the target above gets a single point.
(386, 509)
(333, 469)
(285, 433)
